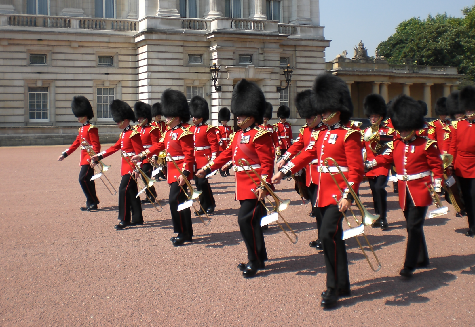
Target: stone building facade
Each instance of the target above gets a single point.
(51, 50)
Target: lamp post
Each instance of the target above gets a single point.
(214, 70)
(288, 78)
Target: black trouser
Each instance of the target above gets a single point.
(88, 186)
(249, 220)
(334, 249)
(313, 190)
(128, 201)
(147, 168)
(206, 197)
(380, 195)
(181, 219)
(416, 250)
(468, 194)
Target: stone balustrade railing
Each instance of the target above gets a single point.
(194, 24)
(248, 24)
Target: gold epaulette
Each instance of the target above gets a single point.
(134, 132)
(390, 145)
(91, 126)
(152, 127)
(186, 131)
(429, 143)
(162, 139)
(231, 137)
(315, 134)
(454, 124)
(432, 123)
(349, 131)
(302, 129)
(431, 130)
(391, 130)
(209, 127)
(260, 132)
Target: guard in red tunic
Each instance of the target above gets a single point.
(439, 130)
(129, 144)
(272, 129)
(178, 143)
(375, 138)
(224, 134)
(462, 148)
(162, 128)
(150, 134)
(255, 145)
(333, 100)
(415, 158)
(82, 109)
(306, 138)
(206, 149)
(284, 130)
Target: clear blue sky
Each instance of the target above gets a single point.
(373, 21)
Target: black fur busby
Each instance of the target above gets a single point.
(423, 106)
(452, 104)
(156, 109)
(120, 111)
(143, 110)
(441, 107)
(199, 108)
(332, 94)
(248, 100)
(268, 111)
(174, 104)
(283, 112)
(467, 98)
(82, 107)
(406, 114)
(224, 114)
(305, 103)
(374, 104)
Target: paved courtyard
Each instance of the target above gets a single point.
(64, 267)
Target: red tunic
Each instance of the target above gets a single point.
(206, 144)
(223, 133)
(130, 144)
(342, 144)
(149, 134)
(88, 132)
(256, 146)
(462, 148)
(419, 156)
(382, 170)
(284, 133)
(440, 131)
(424, 131)
(272, 129)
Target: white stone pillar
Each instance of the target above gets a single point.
(213, 10)
(132, 9)
(376, 87)
(428, 99)
(446, 90)
(315, 12)
(384, 91)
(167, 8)
(406, 89)
(301, 11)
(257, 10)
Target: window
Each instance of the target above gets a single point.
(232, 8)
(284, 97)
(38, 103)
(191, 91)
(105, 95)
(273, 10)
(106, 61)
(105, 8)
(245, 59)
(189, 8)
(195, 59)
(37, 59)
(37, 7)
(284, 62)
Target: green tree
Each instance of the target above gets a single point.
(435, 41)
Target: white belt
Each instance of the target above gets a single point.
(239, 168)
(413, 177)
(284, 137)
(225, 138)
(128, 154)
(147, 146)
(314, 161)
(331, 169)
(175, 158)
(199, 148)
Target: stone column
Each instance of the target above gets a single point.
(301, 11)
(384, 91)
(167, 8)
(72, 8)
(258, 9)
(132, 9)
(213, 10)
(376, 87)
(428, 98)
(348, 83)
(447, 90)
(6, 7)
(406, 89)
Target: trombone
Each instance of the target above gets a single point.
(192, 196)
(278, 205)
(103, 167)
(367, 218)
(441, 210)
(147, 181)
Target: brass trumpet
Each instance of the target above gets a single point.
(454, 197)
(441, 210)
(102, 166)
(367, 218)
(277, 206)
(194, 194)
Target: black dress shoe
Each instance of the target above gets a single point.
(377, 223)
(342, 292)
(89, 208)
(329, 298)
(199, 213)
(406, 272)
(422, 265)
(316, 244)
(181, 239)
(470, 232)
(259, 264)
(137, 223)
(210, 210)
(121, 225)
(384, 225)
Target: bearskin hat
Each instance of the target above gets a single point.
(467, 98)
(199, 108)
(82, 107)
(406, 114)
(248, 100)
(156, 109)
(452, 104)
(174, 104)
(374, 104)
(305, 103)
(332, 94)
(143, 110)
(268, 111)
(441, 106)
(283, 112)
(224, 114)
(423, 106)
(120, 111)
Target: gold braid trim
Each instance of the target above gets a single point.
(186, 132)
(260, 132)
(429, 143)
(134, 132)
(91, 126)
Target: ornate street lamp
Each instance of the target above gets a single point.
(288, 78)
(214, 70)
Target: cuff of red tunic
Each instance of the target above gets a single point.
(288, 167)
